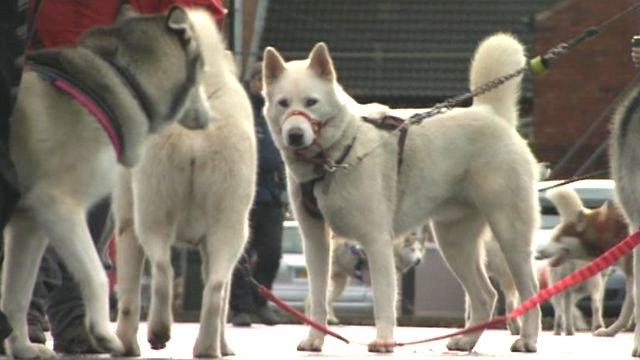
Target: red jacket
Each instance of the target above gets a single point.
(62, 22)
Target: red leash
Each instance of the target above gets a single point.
(602, 262)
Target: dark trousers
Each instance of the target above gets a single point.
(13, 34)
(265, 242)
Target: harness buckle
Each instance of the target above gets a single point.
(332, 167)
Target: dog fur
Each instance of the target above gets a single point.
(585, 234)
(192, 188)
(456, 169)
(65, 161)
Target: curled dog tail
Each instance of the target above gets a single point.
(567, 201)
(498, 55)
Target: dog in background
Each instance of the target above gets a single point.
(441, 176)
(583, 235)
(193, 188)
(349, 261)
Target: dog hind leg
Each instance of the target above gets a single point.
(219, 258)
(460, 246)
(24, 245)
(513, 230)
(626, 313)
(158, 249)
(225, 349)
(129, 265)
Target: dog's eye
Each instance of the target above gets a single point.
(283, 103)
(309, 102)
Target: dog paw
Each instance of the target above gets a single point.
(636, 351)
(226, 350)
(332, 320)
(522, 345)
(206, 349)
(106, 341)
(570, 333)
(158, 339)
(462, 343)
(130, 348)
(311, 344)
(604, 333)
(381, 346)
(32, 351)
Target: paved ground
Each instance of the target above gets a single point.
(279, 342)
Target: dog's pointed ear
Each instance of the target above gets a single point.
(320, 62)
(102, 44)
(272, 66)
(581, 220)
(177, 20)
(125, 12)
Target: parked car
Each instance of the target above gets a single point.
(292, 286)
(593, 194)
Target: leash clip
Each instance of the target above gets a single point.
(332, 167)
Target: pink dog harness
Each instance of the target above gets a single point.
(87, 98)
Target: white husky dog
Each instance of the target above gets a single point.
(194, 188)
(65, 160)
(464, 170)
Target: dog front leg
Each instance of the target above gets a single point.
(24, 245)
(383, 277)
(317, 251)
(65, 224)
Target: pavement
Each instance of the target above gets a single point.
(279, 342)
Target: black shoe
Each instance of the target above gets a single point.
(34, 328)
(241, 319)
(75, 339)
(268, 316)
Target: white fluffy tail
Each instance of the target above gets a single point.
(498, 55)
(567, 201)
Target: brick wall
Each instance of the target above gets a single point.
(582, 83)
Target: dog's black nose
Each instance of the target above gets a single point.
(296, 137)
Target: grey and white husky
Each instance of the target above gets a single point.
(624, 153)
(147, 70)
(456, 171)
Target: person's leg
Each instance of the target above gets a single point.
(240, 300)
(13, 33)
(267, 221)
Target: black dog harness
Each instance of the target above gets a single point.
(387, 122)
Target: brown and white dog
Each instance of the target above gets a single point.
(585, 234)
